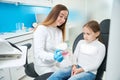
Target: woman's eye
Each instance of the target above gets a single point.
(61, 16)
(65, 18)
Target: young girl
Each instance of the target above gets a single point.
(88, 54)
(47, 36)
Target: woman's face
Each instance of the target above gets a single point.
(89, 35)
(61, 17)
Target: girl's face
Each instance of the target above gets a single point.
(61, 17)
(89, 35)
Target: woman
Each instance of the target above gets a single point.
(47, 36)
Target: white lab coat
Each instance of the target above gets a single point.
(45, 40)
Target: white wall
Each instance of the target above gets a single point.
(113, 61)
(99, 9)
(91, 9)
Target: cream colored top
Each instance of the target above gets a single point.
(89, 55)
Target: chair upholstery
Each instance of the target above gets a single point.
(30, 70)
(104, 27)
(79, 37)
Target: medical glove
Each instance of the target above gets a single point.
(58, 55)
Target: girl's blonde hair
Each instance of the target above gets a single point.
(94, 26)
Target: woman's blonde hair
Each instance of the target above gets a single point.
(52, 17)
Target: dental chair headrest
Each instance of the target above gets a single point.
(104, 26)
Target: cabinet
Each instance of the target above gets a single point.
(4, 74)
(70, 4)
(20, 40)
(65, 2)
(15, 73)
(46, 3)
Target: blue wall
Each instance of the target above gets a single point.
(10, 14)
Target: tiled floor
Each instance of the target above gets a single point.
(27, 78)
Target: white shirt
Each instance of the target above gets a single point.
(45, 41)
(89, 55)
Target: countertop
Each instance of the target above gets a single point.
(13, 34)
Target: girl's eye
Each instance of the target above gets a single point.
(88, 33)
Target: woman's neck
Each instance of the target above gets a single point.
(53, 25)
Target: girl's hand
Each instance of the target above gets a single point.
(76, 70)
(73, 70)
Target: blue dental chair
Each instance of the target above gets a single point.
(104, 26)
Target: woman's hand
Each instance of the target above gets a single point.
(58, 56)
